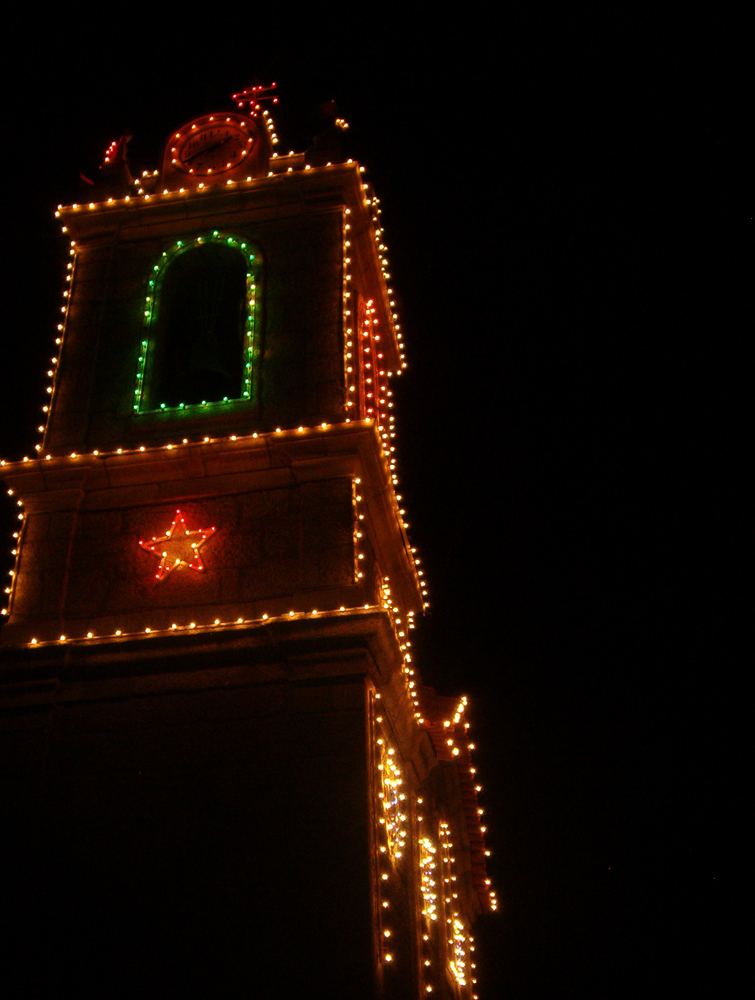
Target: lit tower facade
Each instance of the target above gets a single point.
(226, 771)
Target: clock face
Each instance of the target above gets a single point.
(211, 146)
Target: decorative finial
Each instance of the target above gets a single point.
(254, 94)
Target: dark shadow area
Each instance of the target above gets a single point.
(199, 334)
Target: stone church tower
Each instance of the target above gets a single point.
(222, 771)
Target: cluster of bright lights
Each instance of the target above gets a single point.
(428, 868)
(12, 573)
(460, 950)
(370, 200)
(366, 377)
(347, 294)
(374, 396)
(375, 403)
(401, 627)
(150, 315)
(386, 859)
(428, 874)
(459, 941)
(392, 800)
(451, 740)
(179, 546)
(377, 395)
(270, 124)
(441, 911)
(252, 98)
(113, 151)
(452, 723)
(148, 178)
(356, 501)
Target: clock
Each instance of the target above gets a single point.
(226, 144)
(215, 145)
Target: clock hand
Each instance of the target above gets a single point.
(209, 149)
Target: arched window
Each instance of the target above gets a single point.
(199, 346)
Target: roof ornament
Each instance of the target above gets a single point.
(254, 94)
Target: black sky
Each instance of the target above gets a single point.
(560, 201)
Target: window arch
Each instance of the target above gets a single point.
(199, 347)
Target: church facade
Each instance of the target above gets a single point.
(224, 769)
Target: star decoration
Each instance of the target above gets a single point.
(178, 547)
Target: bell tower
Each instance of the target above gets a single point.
(228, 770)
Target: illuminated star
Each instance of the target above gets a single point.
(178, 547)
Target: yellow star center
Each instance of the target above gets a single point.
(179, 546)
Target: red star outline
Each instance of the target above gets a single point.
(179, 546)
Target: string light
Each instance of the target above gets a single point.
(179, 546)
(393, 800)
(148, 346)
(457, 937)
(448, 732)
(264, 619)
(392, 821)
(428, 879)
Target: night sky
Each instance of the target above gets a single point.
(561, 205)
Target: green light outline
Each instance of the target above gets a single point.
(253, 264)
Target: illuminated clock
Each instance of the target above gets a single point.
(212, 145)
(225, 145)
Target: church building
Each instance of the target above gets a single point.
(221, 770)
